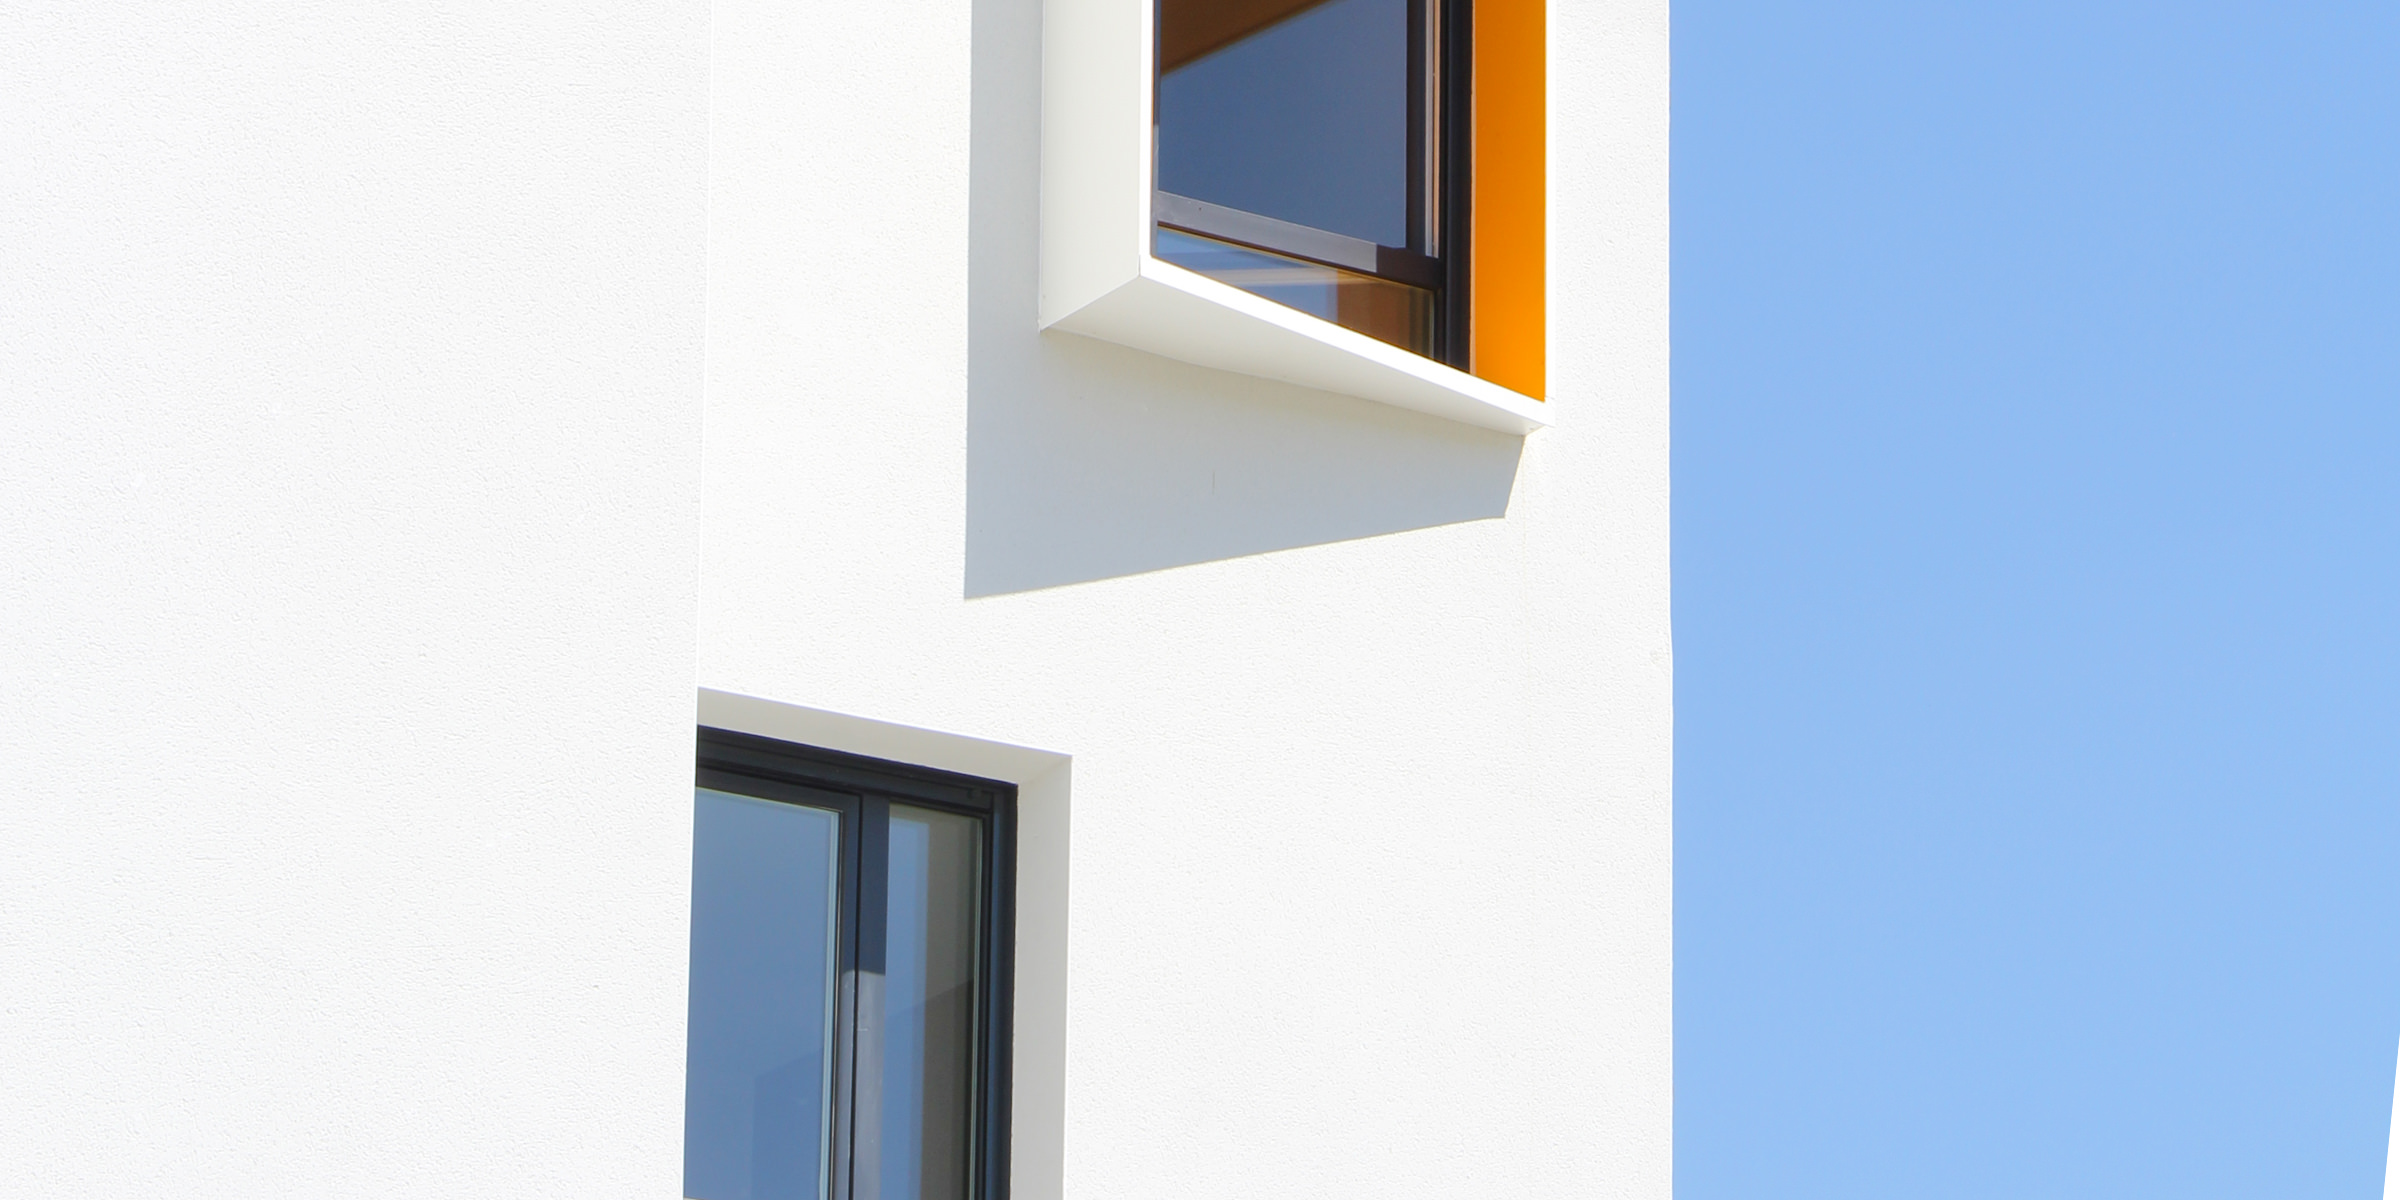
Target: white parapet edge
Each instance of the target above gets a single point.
(1099, 278)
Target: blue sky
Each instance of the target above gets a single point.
(2037, 485)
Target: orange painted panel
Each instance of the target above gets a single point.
(1506, 251)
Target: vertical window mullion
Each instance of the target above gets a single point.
(1419, 157)
(846, 1074)
(995, 1016)
(1457, 165)
(867, 1010)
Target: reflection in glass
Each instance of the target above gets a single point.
(1304, 115)
(758, 1067)
(1379, 308)
(916, 1135)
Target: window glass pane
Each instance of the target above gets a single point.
(1379, 308)
(1305, 120)
(758, 1065)
(919, 1142)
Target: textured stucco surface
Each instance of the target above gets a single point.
(350, 362)
(408, 406)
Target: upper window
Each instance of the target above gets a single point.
(1301, 156)
(849, 976)
(1347, 195)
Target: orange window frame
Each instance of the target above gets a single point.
(1507, 261)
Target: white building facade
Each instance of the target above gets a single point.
(422, 418)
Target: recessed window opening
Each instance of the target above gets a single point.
(1302, 151)
(849, 978)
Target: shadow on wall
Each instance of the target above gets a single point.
(1087, 460)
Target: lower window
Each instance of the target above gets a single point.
(849, 978)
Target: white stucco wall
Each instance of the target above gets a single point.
(349, 416)
(1370, 828)
(357, 571)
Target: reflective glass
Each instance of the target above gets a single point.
(917, 1095)
(758, 1067)
(1379, 308)
(1304, 118)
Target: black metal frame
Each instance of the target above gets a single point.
(863, 790)
(1456, 180)
(1436, 257)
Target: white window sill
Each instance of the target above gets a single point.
(1184, 315)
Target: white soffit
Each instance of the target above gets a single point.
(1099, 279)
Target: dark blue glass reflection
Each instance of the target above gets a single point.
(1306, 121)
(758, 1064)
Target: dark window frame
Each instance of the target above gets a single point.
(1440, 268)
(862, 790)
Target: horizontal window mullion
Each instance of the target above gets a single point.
(1241, 228)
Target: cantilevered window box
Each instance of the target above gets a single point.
(1313, 191)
